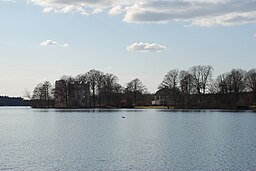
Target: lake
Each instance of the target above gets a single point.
(73, 140)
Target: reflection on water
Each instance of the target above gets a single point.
(96, 139)
(143, 110)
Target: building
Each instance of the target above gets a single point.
(72, 94)
(164, 97)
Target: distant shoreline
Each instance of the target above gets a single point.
(6, 101)
(246, 108)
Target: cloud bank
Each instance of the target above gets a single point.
(146, 47)
(53, 43)
(205, 13)
(195, 12)
(7, 1)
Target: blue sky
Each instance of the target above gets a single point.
(45, 39)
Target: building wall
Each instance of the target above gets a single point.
(61, 94)
(71, 95)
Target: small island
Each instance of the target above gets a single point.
(186, 89)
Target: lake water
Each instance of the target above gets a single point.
(73, 140)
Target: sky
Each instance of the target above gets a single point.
(44, 39)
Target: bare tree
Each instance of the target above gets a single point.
(201, 76)
(37, 93)
(102, 86)
(47, 90)
(170, 79)
(82, 78)
(62, 88)
(27, 94)
(231, 85)
(100, 83)
(68, 79)
(169, 83)
(111, 89)
(251, 82)
(222, 83)
(237, 79)
(186, 88)
(186, 82)
(43, 92)
(224, 90)
(135, 87)
(95, 79)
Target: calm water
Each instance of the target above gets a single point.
(73, 140)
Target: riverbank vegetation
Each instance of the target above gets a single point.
(192, 88)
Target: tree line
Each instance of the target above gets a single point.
(192, 88)
(196, 87)
(12, 101)
(105, 90)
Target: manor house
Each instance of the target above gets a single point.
(72, 94)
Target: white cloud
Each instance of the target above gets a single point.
(7, 1)
(146, 47)
(254, 35)
(116, 10)
(80, 6)
(53, 43)
(195, 12)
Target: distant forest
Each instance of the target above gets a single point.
(192, 88)
(12, 101)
